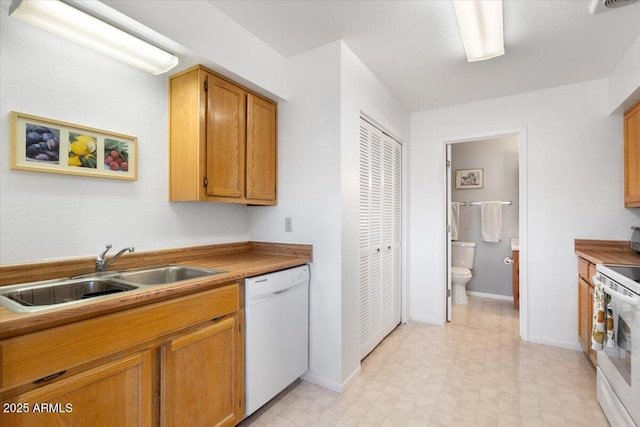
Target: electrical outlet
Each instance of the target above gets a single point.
(288, 224)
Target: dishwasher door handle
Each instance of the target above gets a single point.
(261, 296)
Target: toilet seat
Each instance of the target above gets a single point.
(460, 272)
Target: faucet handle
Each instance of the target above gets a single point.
(101, 256)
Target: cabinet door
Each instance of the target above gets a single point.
(584, 312)
(118, 393)
(593, 355)
(632, 157)
(201, 376)
(261, 150)
(226, 121)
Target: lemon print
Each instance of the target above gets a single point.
(84, 138)
(599, 337)
(83, 145)
(75, 161)
(80, 148)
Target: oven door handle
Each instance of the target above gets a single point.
(634, 301)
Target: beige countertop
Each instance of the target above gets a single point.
(237, 260)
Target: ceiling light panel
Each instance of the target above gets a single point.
(66, 21)
(481, 28)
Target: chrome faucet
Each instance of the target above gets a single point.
(102, 263)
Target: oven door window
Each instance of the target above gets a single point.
(619, 352)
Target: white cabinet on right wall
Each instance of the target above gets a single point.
(380, 235)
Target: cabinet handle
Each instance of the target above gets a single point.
(217, 319)
(50, 377)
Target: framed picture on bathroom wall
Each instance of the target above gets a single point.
(469, 178)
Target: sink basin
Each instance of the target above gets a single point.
(163, 275)
(32, 297)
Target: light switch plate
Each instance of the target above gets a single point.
(288, 224)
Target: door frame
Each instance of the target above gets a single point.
(522, 216)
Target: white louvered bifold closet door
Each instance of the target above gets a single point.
(380, 235)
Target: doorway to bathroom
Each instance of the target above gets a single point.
(485, 190)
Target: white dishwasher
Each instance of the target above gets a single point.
(276, 333)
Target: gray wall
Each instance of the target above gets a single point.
(499, 159)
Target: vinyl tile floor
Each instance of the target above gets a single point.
(474, 371)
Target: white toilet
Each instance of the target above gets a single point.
(462, 256)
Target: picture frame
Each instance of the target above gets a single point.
(469, 179)
(40, 144)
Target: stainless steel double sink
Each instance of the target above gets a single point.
(31, 297)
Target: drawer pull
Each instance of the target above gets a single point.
(50, 377)
(217, 319)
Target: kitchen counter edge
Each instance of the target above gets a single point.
(250, 259)
(606, 252)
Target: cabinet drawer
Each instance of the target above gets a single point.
(72, 345)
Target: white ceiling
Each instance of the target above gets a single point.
(415, 49)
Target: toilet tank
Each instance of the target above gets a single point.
(463, 254)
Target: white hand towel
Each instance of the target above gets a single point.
(491, 219)
(455, 218)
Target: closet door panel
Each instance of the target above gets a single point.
(397, 231)
(375, 230)
(387, 237)
(365, 241)
(380, 235)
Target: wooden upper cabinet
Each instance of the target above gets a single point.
(261, 149)
(226, 123)
(222, 141)
(632, 157)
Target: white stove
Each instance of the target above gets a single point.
(618, 374)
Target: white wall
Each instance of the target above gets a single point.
(499, 159)
(361, 92)
(624, 80)
(50, 216)
(574, 186)
(216, 41)
(318, 129)
(309, 193)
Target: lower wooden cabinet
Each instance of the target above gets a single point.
(118, 393)
(178, 362)
(201, 376)
(585, 307)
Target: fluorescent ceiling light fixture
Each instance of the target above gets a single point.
(66, 21)
(480, 23)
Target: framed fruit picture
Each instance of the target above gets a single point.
(45, 145)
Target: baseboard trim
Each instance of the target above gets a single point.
(428, 320)
(323, 382)
(555, 343)
(490, 296)
(354, 375)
